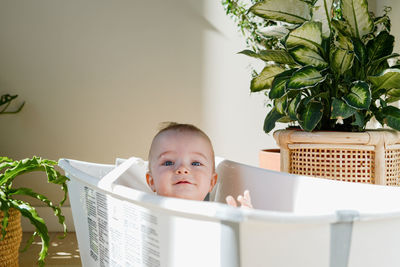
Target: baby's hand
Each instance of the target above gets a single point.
(245, 200)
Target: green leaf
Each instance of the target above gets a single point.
(311, 116)
(292, 109)
(355, 12)
(392, 99)
(309, 34)
(380, 46)
(274, 31)
(278, 88)
(265, 78)
(272, 117)
(394, 92)
(29, 212)
(292, 11)
(305, 77)
(341, 60)
(307, 56)
(392, 117)
(280, 105)
(340, 110)
(360, 120)
(277, 56)
(388, 80)
(322, 13)
(42, 198)
(360, 51)
(359, 96)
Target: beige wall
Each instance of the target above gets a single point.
(98, 76)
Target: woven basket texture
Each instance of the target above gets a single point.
(350, 165)
(9, 246)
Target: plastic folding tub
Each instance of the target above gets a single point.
(297, 221)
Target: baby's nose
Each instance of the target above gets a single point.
(182, 170)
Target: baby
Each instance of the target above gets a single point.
(182, 165)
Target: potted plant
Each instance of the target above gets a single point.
(328, 71)
(11, 207)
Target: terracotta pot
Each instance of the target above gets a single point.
(270, 159)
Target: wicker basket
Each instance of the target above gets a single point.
(368, 157)
(9, 246)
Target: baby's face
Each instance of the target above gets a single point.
(182, 166)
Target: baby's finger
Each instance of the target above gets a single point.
(231, 201)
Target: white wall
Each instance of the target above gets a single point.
(98, 76)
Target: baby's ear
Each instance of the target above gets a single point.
(213, 181)
(150, 181)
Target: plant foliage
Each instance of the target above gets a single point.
(5, 101)
(330, 69)
(10, 169)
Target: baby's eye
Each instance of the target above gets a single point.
(168, 163)
(196, 163)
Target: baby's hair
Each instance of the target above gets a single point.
(180, 127)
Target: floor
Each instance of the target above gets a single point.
(62, 252)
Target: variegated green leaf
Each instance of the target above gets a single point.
(380, 46)
(307, 56)
(311, 116)
(291, 11)
(341, 60)
(322, 13)
(389, 79)
(391, 117)
(270, 120)
(274, 31)
(340, 110)
(305, 77)
(360, 51)
(394, 92)
(359, 96)
(277, 56)
(309, 34)
(343, 42)
(355, 12)
(265, 78)
(360, 120)
(280, 105)
(292, 109)
(278, 88)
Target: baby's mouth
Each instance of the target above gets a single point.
(183, 182)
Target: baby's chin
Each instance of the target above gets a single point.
(188, 196)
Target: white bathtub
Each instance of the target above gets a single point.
(299, 221)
